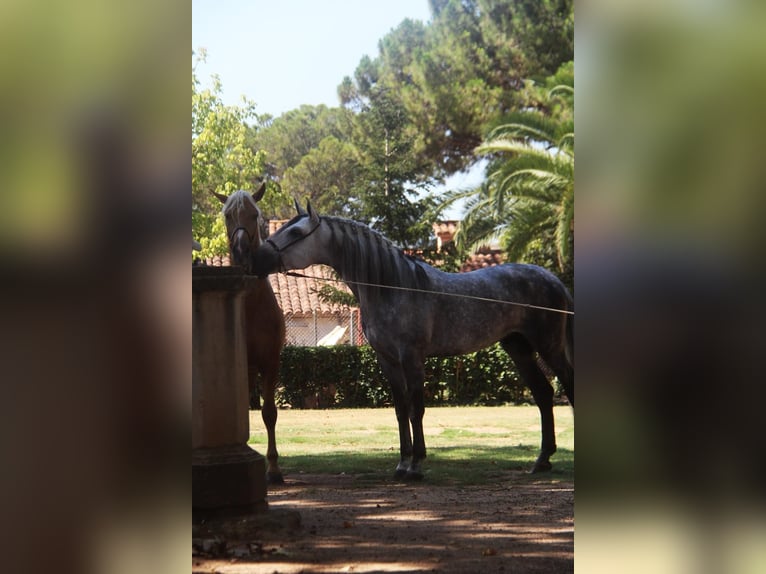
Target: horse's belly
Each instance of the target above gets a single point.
(465, 332)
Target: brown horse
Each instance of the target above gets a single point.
(264, 320)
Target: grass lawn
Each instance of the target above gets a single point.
(466, 445)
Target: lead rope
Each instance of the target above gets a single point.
(426, 291)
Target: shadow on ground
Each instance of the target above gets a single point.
(469, 464)
(513, 522)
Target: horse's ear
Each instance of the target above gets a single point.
(312, 214)
(258, 195)
(298, 208)
(221, 197)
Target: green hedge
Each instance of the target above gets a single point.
(347, 376)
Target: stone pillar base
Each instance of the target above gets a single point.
(227, 481)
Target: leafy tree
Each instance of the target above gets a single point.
(458, 74)
(391, 179)
(287, 141)
(449, 258)
(326, 175)
(416, 112)
(542, 30)
(527, 201)
(221, 160)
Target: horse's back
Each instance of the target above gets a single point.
(525, 283)
(489, 304)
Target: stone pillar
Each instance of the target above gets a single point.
(228, 477)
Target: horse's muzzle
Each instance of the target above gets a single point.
(265, 260)
(243, 258)
(239, 247)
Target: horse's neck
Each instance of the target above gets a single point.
(369, 282)
(338, 258)
(351, 280)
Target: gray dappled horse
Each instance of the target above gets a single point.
(265, 323)
(411, 311)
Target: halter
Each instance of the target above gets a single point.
(296, 240)
(233, 233)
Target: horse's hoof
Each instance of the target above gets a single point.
(541, 466)
(413, 476)
(275, 478)
(400, 474)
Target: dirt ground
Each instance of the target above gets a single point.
(519, 525)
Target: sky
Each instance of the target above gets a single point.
(286, 53)
(282, 54)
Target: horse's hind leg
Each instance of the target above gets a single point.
(523, 356)
(565, 374)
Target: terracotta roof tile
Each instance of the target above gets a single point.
(298, 295)
(216, 261)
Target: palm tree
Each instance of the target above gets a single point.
(527, 201)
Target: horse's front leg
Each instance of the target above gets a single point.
(415, 379)
(395, 376)
(407, 386)
(415, 470)
(269, 415)
(253, 393)
(405, 438)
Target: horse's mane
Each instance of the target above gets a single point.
(367, 256)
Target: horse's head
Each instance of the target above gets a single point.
(243, 225)
(288, 248)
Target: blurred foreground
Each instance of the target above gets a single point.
(670, 198)
(95, 332)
